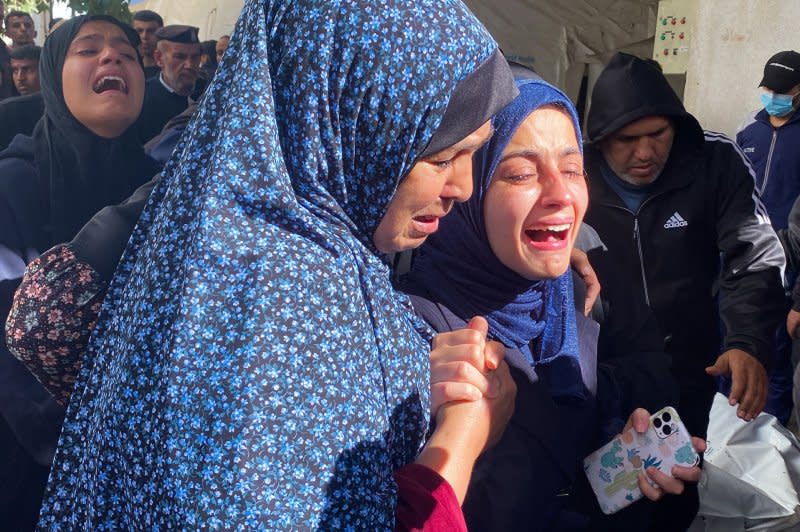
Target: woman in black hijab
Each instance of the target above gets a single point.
(82, 156)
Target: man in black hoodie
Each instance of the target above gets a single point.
(688, 245)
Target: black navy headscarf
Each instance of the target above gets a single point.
(253, 367)
(457, 267)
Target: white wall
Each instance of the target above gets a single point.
(732, 40)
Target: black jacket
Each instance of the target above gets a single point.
(699, 248)
(659, 282)
(159, 106)
(18, 116)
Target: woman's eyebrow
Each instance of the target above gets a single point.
(533, 154)
(98, 37)
(528, 154)
(88, 37)
(571, 150)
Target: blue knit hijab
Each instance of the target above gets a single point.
(253, 367)
(457, 267)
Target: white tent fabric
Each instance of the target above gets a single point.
(565, 40)
(213, 17)
(558, 39)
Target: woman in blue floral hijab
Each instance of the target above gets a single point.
(253, 366)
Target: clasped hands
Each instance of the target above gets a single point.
(469, 378)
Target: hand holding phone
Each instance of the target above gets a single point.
(613, 470)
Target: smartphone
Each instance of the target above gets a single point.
(613, 469)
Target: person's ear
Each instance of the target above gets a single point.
(158, 56)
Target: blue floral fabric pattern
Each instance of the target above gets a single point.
(252, 366)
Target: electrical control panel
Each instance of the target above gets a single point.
(673, 35)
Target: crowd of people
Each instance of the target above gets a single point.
(176, 73)
(326, 273)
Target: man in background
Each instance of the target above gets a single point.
(25, 68)
(166, 95)
(147, 23)
(6, 85)
(770, 139)
(222, 47)
(686, 244)
(20, 28)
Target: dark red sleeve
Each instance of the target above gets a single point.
(426, 501)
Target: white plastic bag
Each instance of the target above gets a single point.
(751, 475)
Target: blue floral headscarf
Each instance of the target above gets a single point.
(457, 267)
(253, 367)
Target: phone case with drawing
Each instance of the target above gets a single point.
(613, 469)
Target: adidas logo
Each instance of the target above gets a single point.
(676, 220)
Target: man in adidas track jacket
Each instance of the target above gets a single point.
(686, 242)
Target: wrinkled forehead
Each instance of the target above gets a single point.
(534, 95)
(549, 124)
(180, 47)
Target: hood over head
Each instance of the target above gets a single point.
(629, 89)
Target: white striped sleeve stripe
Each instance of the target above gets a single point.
(760, 209)
(749, 119)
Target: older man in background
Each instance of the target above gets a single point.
(166, 95)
